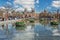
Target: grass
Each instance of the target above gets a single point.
(54, 23)
(31, 20)
(20, 24)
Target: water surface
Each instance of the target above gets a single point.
(36, 31)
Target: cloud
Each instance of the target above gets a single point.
(25, 3)
(19, 9)
(49, 7)
(8, 3)
(2, 7)
(37, 1)
(56, 4)
(16, 6)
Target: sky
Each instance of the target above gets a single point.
(38, 5)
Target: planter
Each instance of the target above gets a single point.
(31, 20)
(20, 24)
(41, 19)
(54, 23)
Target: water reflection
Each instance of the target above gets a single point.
(35, 31)
(46, 33)
(6, 34)
(20, 28)
(27, 34)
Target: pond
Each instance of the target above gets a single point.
(36, 31)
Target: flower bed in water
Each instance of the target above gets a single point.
(54, 23)
(20, 24)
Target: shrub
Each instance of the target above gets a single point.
(20, 24)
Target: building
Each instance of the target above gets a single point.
(56, 15)
(31, 14)
(45, 14)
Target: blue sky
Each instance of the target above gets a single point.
(38, 5)
(49, 5)
(43, 4)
